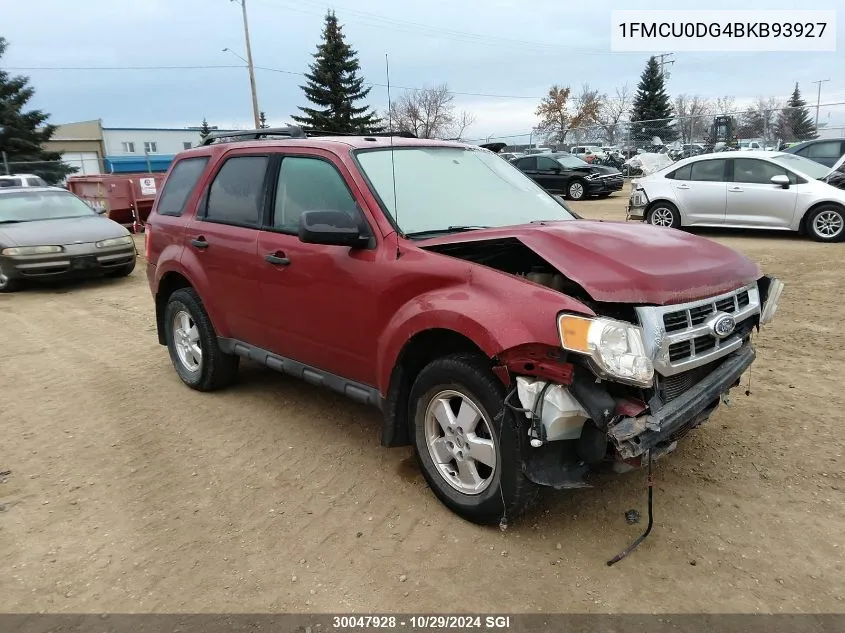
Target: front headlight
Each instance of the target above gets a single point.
(126, 240)
(15, 251)
(615, 347)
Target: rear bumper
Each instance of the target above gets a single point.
(67, 265)
(633, 436)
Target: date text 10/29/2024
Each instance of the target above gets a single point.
(360, 622)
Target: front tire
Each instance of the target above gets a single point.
(665, 215)
(192, 343)
(576, 189)
(466, 441)
(7, 284)
(826, 224)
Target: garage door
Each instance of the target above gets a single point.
(85, 162)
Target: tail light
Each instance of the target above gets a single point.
(148, 234)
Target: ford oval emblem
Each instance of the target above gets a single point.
(722, 325)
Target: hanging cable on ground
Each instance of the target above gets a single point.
(643, 536)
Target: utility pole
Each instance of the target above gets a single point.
(819, 98)
(255, 112)
(661, 59)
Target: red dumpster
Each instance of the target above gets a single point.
(126, 198)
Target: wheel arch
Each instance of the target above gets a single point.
(169, 283)
(802, 225)
(665, 201)
(419, 350)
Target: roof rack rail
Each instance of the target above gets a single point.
(290, 131)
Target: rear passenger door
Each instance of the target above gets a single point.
(317, 299)
(701, 191)
(221, 241)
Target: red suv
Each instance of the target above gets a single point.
(511, 343)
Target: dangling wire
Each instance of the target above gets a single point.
(642, 537)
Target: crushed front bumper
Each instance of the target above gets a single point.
(656, 430)
(637, 203)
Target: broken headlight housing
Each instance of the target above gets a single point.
(615, 348)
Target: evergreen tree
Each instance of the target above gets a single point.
(794, 123)
(652, 107)
(262, 120)
(334, 86)
(23, 133)
(205, 130)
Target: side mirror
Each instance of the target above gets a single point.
(781, 181)
(100, 210)
(331, 228)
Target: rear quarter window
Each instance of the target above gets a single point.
(180, 183)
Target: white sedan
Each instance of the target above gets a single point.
(749, 190)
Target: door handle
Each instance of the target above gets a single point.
(736, 189)
(683, 186)
(199, 242)
(277, 259)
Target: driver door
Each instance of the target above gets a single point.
(317, 300)
(549, 175)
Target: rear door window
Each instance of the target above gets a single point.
(708, 170)
(237, 194)
(180, 183)
(10, 182)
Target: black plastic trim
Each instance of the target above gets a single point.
(349, 388)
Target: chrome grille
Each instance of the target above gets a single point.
(679, 337)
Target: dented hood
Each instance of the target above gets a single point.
(624, 262)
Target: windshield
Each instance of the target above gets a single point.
(25, 206)
(803, 165)
(442, 187)
(571, 162)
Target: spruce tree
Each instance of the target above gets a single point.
(334, 87)
(652, 107)
(23, 133)
(205, 130)
(794, 122)
(262, 120)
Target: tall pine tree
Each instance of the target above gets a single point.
(205, 130)
(794, 122)
(652, 107)
(334, 86)
(23, 133)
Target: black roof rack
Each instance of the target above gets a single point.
(290, 131)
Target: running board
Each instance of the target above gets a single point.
(349, 388)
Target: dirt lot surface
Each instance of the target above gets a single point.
(129, 492)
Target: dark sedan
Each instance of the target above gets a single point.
(49, 233)
(824, 151)
(559, 172)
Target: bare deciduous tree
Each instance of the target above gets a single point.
(587, 106)
(724, 105)
(691, 111)
(613, 111)
(429, 113)
(760, 120)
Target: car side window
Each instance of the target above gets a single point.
(180, 183)
(310, 184)
(829, 149)
(237, 193)
(708, 170)
(682, 173)
(36, 182)
(760, 172)
(527, 164)
(544, 163)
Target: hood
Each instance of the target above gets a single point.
(623, 262)
(600, 169)
(60, 232)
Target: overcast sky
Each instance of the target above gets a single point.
(507, 48)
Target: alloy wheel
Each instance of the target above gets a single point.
(828, 224)
(460, 442)
(662, 216)
(576, 191)
(186, 340)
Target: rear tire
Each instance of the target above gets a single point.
(192, 343)
(826, 224)
(474, 469)
(664, 214)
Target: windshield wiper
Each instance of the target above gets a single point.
(450, 229)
